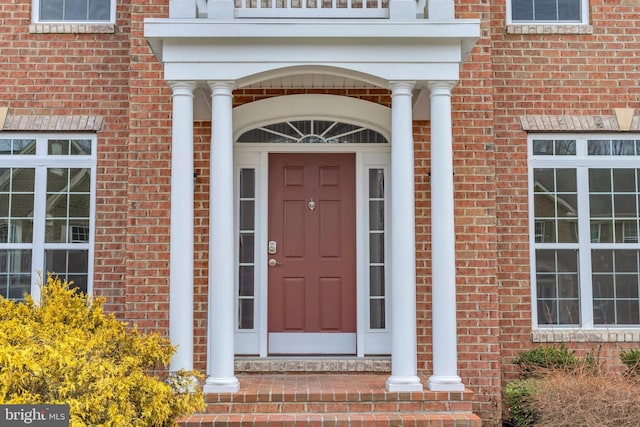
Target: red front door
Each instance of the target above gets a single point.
(312, 253)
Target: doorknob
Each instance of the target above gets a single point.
(273, 262)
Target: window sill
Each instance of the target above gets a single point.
(549, 29)
(75, 28)
(585, 335)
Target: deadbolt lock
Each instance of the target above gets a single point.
(273, 247)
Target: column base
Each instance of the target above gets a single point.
(395, 383)
(442, 383)
(221, 385)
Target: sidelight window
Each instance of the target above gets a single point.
(246, 256)
(377, 291)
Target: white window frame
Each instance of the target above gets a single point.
(582, 162)
(584, 17)
(41, 162)
(35, 16)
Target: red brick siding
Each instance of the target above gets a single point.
(549, 74)
(78, 74)
(149, 184)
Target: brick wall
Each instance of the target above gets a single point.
(78, 74)
(589, 71)
(149, 179)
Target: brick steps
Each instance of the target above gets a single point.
(332, 400)
(334, 419)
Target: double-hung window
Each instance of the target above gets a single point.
(46, 210)
(585, 222)
(76, 11)
(547, 11)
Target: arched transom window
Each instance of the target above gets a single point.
(313, 132)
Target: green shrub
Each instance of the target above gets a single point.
(542, 358)
(65, 350)
(631, 359)
(518, 396)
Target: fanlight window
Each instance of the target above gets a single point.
(313, 132)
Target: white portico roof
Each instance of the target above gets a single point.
(373, 51)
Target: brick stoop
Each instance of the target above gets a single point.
(332, 400)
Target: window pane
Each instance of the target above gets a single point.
(16, 205)
(565, 147)
(522, 10)
(247, 183)
(311, 131)
(557, 285)
(246, 280)
(627, 312)
(81, 146)
(544, 180)
(615, 278)
(51, 10)
(5, 146)
(624, 206)
(58, 147)
(376, 314)
(376, 183)
(75, 10)
(69, 265)
(99, 10)
(566, 180)
(599, 180)
(247, 211)
(377, 281)
(542, 147)
(246, 248)
(598, 147)
(622, 147)
(376, 248)
(600, 206)
(624, 180)
(245, 314)
(376, 215)
(545, 10)
(603, 286)
(19, 285)
(627, 286)
(569, 10)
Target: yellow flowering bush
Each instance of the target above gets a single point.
(66, 350)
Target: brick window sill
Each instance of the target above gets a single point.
(549, 29)
(585, 335)
(62, 28)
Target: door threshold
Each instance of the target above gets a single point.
(313, 363)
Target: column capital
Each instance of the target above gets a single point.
(182, 87)
(441, 87)
(399, 86)
(221, 87)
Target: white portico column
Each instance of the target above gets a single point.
(181, 235)
(220, 351)
(443, 252)
(404, 376)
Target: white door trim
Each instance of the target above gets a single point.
(256, 155)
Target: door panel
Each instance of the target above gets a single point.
(312, 287)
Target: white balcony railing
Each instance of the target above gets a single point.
(320, 9)
(311, 8)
